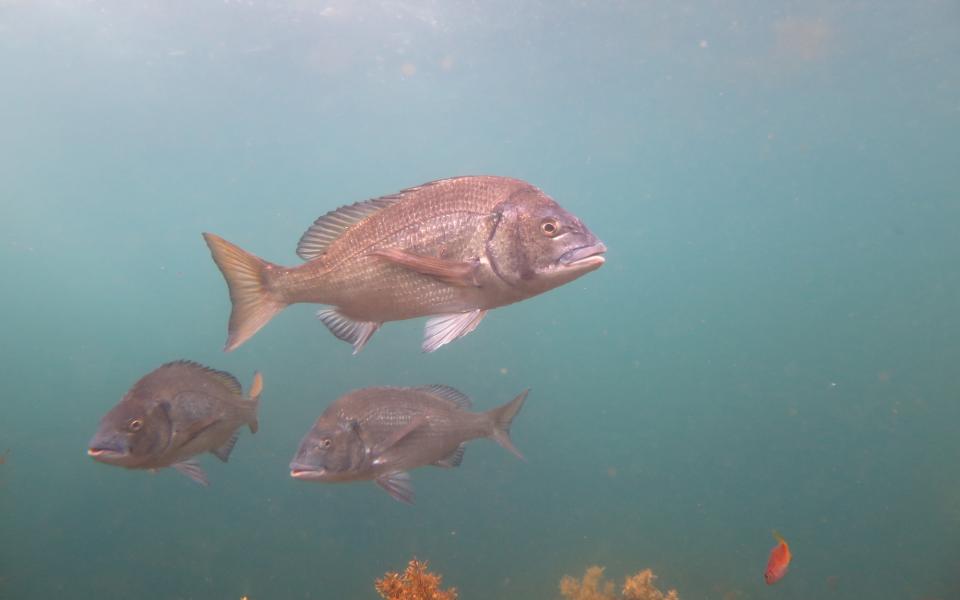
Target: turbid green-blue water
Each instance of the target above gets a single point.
(772, 343)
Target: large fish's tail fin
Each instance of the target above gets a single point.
(256, 388)
(502, 418)
(246, 275)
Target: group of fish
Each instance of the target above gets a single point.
(450, 250)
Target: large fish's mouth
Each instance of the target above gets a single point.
(306, 473)
(584, 256)
(105, 454)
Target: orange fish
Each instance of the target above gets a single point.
(778, 562)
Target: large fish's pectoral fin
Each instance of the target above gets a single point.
(395, 438)
(223, 452)
(459, 273)
(397, 485)
(357, 333)
(454, 459)
(444, 329)
(191, 469)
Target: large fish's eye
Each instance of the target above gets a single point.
(325, 443)
(550, 227)
(135, 425)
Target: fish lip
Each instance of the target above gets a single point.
(98, 453)
(584, 256)
(306, 472)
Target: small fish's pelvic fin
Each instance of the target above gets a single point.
(443, 329)
(448, 393)
(191, 469)
(454, 459)
(502, 418)
(357, 333)
(457, 273)
(246, 276)
(256, 388)
(397, 485)
(223, 452)
(326, 229)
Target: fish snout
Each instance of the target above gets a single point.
(306, 472)
(590, 255)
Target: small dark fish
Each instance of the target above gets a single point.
(381, 433)
(174, 413)
(450, 249)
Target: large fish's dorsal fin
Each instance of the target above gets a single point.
(448, 393)
(325, 230)
(222, 376)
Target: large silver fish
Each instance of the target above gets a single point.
(450, 249)
(174, 413)
(380, 433)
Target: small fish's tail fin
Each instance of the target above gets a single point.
(502, 418)
(246, 276)
(256, 388)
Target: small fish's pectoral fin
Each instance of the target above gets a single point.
(395, 438)
(397, 485)
(454, 459)
(453, 272)
(223, 452)
(444, 329)
(357, 333)
(191, 469)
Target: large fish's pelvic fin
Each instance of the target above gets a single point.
(443, 329)
(357, 333)
(256, 388)
(191, 469)
(502, 418)
(397, 485)
(246, 276)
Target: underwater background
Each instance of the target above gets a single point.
(773, 342)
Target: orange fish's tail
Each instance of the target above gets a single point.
(247, 276)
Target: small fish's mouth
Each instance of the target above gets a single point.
(584, 256)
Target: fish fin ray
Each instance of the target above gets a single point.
(502, 418)
(192, 469)
(443, 329)
(246, 276)
(357, 333)
(398, 485)
(328, 228)
(256, 388)
(396, 437)
(454, 459)
(223, 452)
(448, 393)
(223, 377)
(459, 273)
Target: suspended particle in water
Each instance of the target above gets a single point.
(408, 69)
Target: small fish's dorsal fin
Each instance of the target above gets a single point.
(222, 376)
(778, 537)
(448, 393)
(325, 230)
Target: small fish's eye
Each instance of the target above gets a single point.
(135, 424)
(550, 227)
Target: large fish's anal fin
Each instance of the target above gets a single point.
(459, 273)
(397, 485)
(454, 459)
(443, 329)
(395, 438)
(223, 452)
(357, 333)
(191, 469)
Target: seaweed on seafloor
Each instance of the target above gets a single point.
(415, 583)
(593, 587)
